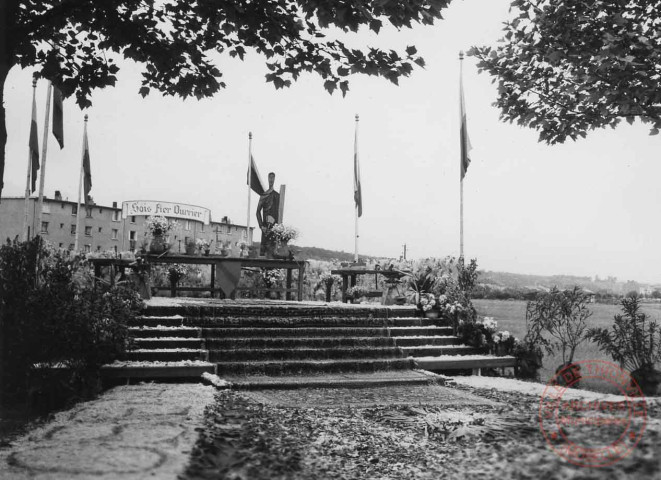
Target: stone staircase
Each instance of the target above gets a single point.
(245, 341)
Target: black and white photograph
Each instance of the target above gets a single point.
(330, 239)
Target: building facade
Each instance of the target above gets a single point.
(105, 228)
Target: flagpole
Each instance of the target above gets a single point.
(27, 180)
(80, 186)
(461, 172)
(355, 153)
(44, 151)
(249, 242)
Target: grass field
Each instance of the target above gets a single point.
(511, 316)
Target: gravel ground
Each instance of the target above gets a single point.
(398, 432)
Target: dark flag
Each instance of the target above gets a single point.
(87, 172)
(58, 115)
(463, 134)
(357, 194)
(34, 145)
(254, 179)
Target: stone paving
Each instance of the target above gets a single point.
(130, 432)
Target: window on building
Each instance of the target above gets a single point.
(244, 234)
(133, 219)
(132, 237)
(100, 210)
(74, 209)
(44, 227)
(61, 226)
(202, 228)
(71, 246)
(98, 248)
(61, 245)
(100, 229)
(73, 229)
(114, 234)
(115, 216)
(88, 212)
(45, 207)
(88, 231)
(187, 225)
(88, 248)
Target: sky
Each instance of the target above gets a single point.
(583, 208)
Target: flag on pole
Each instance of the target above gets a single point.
(254, 179)
(34, 145)
(357, 195)
(87, 172)
(465, 141)
(58, 116)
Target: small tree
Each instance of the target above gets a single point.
(633, 341)
(562, 314)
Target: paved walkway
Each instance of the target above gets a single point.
(130, 432)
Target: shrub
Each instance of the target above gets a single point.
(633, 341)
(52, 316)
(562, 315)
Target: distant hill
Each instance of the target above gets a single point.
(316, 253)
(499, 280)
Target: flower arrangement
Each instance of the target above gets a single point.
(176, 272)
(272, 276)
(357, 292)
(504, 343)
(428, 302)
(281, 233)
(203, 244)
(158, 225)
(478, 333)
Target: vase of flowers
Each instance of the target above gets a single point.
(176, 272)
(157, 227)
(204, 246)
(279, 235)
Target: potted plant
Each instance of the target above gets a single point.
(503, 343)
(635, 343)
(279, 235)
(157, 227)
(191, 247)
(356, 292)
(176, 272)
(204, 246)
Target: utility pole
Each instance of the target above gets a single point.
(404, 251)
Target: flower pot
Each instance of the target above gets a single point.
(191, 249)
(206, 252)
(648, 380)
(432, 314)
(158, 244)
(500, 350)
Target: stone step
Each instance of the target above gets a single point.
(157, 320)
(419, 331)
(275, 354)
(438, 350)
(293, 332)
(297, 342)
(383, 378)
(164, 355)
(169, 343)
(295, 367)
(464, 362)
(274, 309)
(426, 340)
(155, 332)
(146, 371)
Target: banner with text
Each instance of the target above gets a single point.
(166, 209)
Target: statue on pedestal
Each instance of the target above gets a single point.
(268, 214)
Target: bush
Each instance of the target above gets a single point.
(52, 316)
(561, 315)
(633, 341)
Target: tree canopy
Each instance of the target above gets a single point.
(565, 67)
(75, 43)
